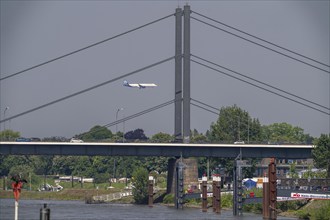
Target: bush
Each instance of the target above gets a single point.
(168, 199)
(302, 214)
(140, 185)
(324, 212)
(226, 201)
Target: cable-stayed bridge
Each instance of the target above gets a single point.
(183, 58)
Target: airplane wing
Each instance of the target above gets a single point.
(134, 85)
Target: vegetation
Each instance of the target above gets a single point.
(233, 124)
(140, 185)
(321, 153)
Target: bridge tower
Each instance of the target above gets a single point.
(182, 103)
(186, 75)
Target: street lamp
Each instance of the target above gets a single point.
(4, 117)
(114, 161)
(4, 124)
(118, 110)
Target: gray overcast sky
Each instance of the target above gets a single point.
(33, 32)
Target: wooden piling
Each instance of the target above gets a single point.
(204, 194)
(150, 191)
(218, 195)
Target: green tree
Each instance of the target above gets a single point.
(293, 171)
(9, 135)
(284, 133)
(96, 133)
(140, 185)
(161, 138)
(137, 134)
(197, 137)
(10, 161)
(22, 170)
(321, 153)
(235, 124)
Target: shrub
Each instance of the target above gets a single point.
(168, 199)
(140, 185)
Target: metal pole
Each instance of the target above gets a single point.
(16, 210)
(186, 75)
(178, 76)
(208, 168)
(123, 128)
(118, 110)
(116, 120)
(4, 124)
(179, 186)
(235, 189)
(265, 198)
(272, 189)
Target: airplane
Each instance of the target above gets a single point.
(139, 85)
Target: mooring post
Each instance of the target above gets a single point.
(272, 189)
(218, 194)
(265, 198)
(45, 213)
(179, 186)
(214, 191)
(204, 194)
(151, 191)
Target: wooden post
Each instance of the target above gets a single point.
(214, 190)
(204, 194)
(150, 191)
(218, 194)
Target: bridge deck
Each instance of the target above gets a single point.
(156, 149)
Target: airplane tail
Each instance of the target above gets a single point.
(125, 83)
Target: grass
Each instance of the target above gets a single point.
(77, 192)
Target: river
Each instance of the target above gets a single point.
(62, 210)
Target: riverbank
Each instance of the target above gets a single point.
(314, 209)
(66, 194)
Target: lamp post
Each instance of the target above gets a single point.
(114, 161)
(4, 116)
(118, 110)
(4, 124)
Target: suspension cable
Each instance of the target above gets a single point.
(84, 48)
(258, 81)
(293, 58)
(86, 90)
(209, 67)
(258, 38)
(139, 113)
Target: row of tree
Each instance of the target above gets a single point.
(233, 124)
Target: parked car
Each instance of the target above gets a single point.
(75, 140)
(23, 139)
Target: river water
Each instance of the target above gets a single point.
(62, 210)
